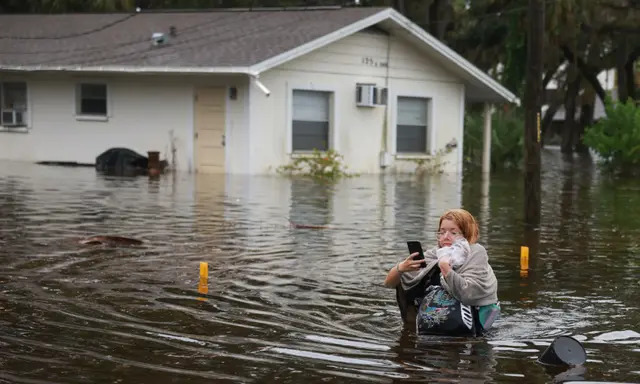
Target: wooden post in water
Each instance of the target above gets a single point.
(532, 104)
(486, 148)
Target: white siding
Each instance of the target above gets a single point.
(237, 136)
(358, 132)
(142, 111)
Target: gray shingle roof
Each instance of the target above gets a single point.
(204, 39)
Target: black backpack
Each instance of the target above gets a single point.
(434, 310)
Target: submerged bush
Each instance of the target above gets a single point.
(616, 138)
(319, 165)
(433, 165)
(507, 139)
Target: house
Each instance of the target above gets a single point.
(235, 91)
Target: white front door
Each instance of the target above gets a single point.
(209, 120)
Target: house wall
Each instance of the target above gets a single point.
(237, 153)
(143, 111)
(358, 133)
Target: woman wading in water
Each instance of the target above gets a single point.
(459, 265)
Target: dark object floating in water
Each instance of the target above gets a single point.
(124, 162)
(65, 163)
(110, 240)
(564, 350)
(306, 226)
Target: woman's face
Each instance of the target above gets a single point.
(448, 233)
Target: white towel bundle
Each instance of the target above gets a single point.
(457, 252)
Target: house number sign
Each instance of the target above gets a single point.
(372, 63)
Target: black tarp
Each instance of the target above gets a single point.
(121, 161)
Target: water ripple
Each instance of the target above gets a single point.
(295, 268)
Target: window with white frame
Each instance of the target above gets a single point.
(91, 99)
(310, 125)
(13, 104)
(412, 127)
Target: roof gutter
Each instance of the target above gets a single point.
(255, 76)
(256, 79)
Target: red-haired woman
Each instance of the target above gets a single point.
(469, 278)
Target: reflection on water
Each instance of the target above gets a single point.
(289, 304)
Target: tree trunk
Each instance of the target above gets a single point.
(589, 73)
(586, 119)
(399, 6)
(548, 119)
(621, 72)
(570, 112)
(439, 16)
(630, 74)
(429, 17)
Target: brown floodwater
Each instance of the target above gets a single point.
(287, 304)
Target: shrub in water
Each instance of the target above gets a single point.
(616, 138)
(324, 166)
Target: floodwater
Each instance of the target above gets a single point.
(284, 304)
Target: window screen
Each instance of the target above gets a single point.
(411, 130)
(310, 127)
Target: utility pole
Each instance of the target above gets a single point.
(532, 104)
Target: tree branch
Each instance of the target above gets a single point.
(588, 72)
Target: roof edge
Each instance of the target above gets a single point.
(320, 42)
(124, 69)
(403, 22)
(454, 57)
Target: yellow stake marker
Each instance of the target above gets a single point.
(524, 258)
(204, 270)
(203, 287)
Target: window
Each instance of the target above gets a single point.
(411, 130)
(91, 99)
(310, 127)
(13, 104)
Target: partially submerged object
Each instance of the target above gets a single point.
(306, 226)
(126, 162)
(564, 350)
(110, 240)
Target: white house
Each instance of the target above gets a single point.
(235, 91)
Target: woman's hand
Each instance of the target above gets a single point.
(409, 264)
(445, 265)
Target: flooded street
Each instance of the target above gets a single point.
(287, 304)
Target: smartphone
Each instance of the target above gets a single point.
(415, 246)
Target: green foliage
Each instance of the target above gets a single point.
(318, 165)
(616, 138)
(62, 6)
(507, 139)
(434, 164)
(514, 71)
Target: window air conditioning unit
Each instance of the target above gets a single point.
(369, 95)
(12, 118)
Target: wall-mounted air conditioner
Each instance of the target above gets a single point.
(369, 95)
(12, 118)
